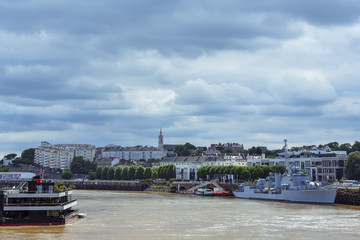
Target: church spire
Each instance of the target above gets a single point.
(161, 140)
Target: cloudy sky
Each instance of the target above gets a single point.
(116, 71)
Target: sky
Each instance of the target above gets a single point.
(203, 71)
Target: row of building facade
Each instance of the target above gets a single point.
(321, 164)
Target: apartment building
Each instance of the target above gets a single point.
(60, 156)
(132, 153)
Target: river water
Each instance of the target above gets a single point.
(140, 215)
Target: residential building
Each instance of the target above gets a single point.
(60, 156)
(132, 153)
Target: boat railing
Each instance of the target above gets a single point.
(32, 204)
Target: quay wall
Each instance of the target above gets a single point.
(349, 196)
(93, 185)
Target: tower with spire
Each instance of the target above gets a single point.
(161, 141)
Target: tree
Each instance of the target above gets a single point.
(131, 172)
(111, 173)
(201, 172)
(66, 175)
(257, 173)
(4, 169)
(352, 166)
(139, 173)
(79, 165)
(104, 173)
(147, 173)
(28, 154)
(245, 174)
(125, 173)
(355, 146)
(280, 168)
(92, 175)
(118, 173)
(154, 174)
(334, 146)
(98, 172)
(237, 172)
(11, 155)
(345, 147)
(170, 171)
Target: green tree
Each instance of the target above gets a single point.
(355, 146)
(79, 165)
(154, 174)
(92, 175)
(66, 175)
(118, 173)
(4, 169)
(139, 173)
(125, 173)
(345, 147)
(111, 173)
(104, 173)
(257, 173)
(245, 174)
(238, 171)
(28, 154)
(170, 171)
(280, 168)
(11, 155)
(201, 172)
(334, 146)
(266, 171)
(147, 173)
(352, 166)
(132, 171)
(98, 172)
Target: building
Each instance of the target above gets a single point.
(132, 153)
(320, 164)
(187, 166)
(60, 156)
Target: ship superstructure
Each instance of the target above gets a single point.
(36, 202)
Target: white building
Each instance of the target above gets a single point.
(60, 156)
(187, 167)
(320, 165)
(132, 153)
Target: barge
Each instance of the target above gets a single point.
(37, 202)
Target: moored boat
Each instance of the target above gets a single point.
(36, 202)
(204, 192)
(293, 187)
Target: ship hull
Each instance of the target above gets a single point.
(319, 196)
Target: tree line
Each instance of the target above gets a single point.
(239, 172)
(133, 173)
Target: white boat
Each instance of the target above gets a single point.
(293, 187)
(82, 214)
(204, 192)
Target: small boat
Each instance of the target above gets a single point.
(82, 214)
(204, 192)
(221, 192)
